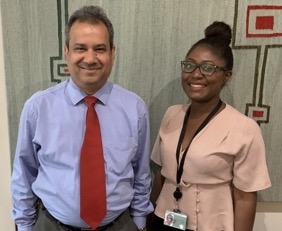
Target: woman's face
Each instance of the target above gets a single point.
(169, 219)
(200, 87)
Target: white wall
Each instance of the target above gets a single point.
(6, 222)
(268, 217)
(268, 221)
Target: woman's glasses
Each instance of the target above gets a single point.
(205, 69)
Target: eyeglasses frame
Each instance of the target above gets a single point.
(199, 66)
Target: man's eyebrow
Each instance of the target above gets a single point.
(79, 44)
(98, 45)
(101, 45)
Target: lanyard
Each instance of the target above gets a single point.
(178, 194)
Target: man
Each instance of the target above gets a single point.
(46, 174)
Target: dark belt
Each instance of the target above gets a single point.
(73, 228)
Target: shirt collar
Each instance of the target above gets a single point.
(76, 95)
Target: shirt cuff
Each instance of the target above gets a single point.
(24, 228)
(140, 222)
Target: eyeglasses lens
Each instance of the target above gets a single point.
(205, 69)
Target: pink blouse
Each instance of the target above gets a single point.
(229, 150)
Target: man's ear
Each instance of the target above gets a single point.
(113, 51)
(66, 51)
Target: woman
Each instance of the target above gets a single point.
(211, 157)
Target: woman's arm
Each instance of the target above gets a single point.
(244, 209)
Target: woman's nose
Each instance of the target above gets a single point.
(197, 73)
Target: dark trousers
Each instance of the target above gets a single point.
(158, 225)
(45, 222)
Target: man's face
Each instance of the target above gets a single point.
(89, 56)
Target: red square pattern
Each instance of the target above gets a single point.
(264, 22)
(258, 114)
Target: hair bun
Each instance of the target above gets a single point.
(219, 30)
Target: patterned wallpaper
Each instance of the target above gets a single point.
(151, 38)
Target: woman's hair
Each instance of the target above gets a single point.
(218, 37)
(169, 216)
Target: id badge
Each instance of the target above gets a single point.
(175, 220)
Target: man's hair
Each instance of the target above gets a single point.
(92, 15)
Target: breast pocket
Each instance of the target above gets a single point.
(119, 154)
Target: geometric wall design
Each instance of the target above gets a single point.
(151, 39)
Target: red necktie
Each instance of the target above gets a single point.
(92, 172)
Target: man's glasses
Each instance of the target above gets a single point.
(205, 69)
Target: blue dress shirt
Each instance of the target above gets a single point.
(47, 157)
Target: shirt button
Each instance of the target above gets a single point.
(197, 211)
(198, 200)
